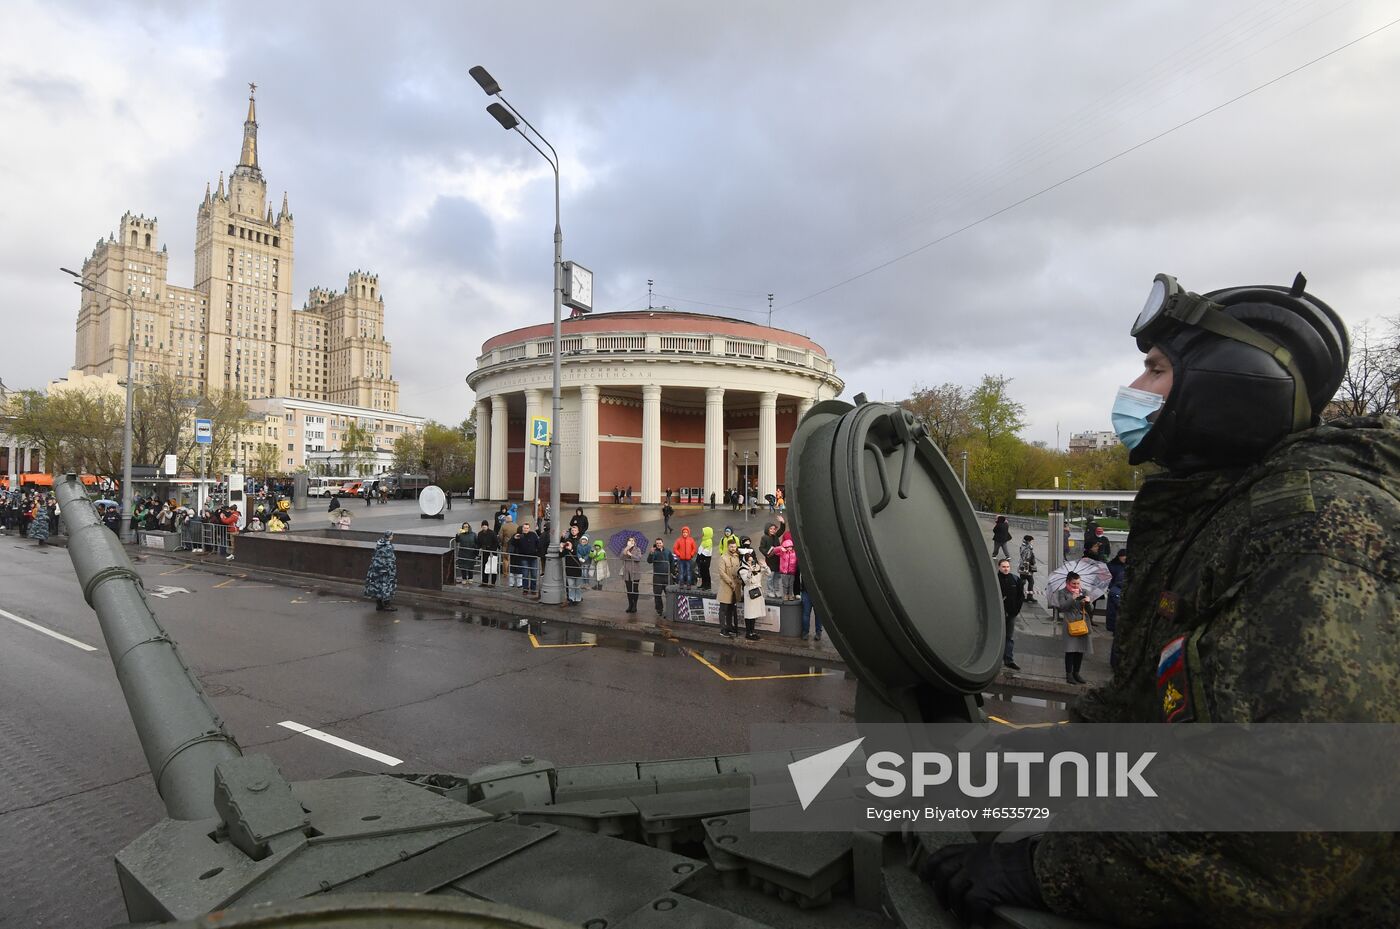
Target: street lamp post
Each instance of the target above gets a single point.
(1069, 503)
(552, 581)
(124, 530)
(964, 462)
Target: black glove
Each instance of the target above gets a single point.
(971, 879)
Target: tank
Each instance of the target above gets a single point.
(633, 844)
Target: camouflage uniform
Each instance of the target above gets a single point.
(1283, 581)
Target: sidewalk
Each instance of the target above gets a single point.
(1039, 650)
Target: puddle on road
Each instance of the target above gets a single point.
(737, 662)
(1023, 710)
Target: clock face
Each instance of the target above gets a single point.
(581, 285)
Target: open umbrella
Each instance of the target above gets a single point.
(618, 540)
(105, 503)
(1094, 577)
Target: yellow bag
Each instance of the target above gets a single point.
(1077, 627)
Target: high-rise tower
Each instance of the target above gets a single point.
(236, 330)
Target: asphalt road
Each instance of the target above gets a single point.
(436, 691)
(439, 691)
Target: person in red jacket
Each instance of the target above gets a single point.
(230, 519)
(684, 551)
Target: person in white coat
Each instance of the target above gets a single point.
(753, 577)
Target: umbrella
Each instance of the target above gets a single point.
(618, 540)
(105, 503)
(1094, 577)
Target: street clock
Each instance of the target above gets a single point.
(578, 287)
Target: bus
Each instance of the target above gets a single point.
(323, 486)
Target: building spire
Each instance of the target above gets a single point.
(248, 158)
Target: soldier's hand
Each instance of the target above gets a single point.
(973, 878)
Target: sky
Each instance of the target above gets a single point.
(932, 191)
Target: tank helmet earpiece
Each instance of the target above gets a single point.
(1249, 366)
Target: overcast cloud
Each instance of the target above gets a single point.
(727, 150)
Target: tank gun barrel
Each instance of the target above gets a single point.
(182, 736)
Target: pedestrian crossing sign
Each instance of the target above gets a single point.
(539, 431)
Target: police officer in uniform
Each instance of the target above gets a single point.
(1265, 575)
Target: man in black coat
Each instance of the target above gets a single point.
(1012, 597)
(529, 545)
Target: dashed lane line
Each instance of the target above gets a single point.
(338, 742)
(48, 632)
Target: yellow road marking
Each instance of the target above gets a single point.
(535, 643)
(1006, 722)
(183, 567)
(759, 677)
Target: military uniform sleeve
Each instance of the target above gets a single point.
(1307, 634)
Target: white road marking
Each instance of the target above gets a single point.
(164, 592)
(338, 742)
(48, 632)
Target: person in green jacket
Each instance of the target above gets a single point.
(1269, 554)
(598, 557)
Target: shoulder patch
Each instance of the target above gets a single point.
(1174, 688)
(1282, 496)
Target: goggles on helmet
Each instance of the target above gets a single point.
(1169, 308)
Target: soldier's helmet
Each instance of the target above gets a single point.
(1235, 396)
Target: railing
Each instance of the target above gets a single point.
(741, 348)
(621, 343)
(695, 345)
(664, 344)
(211, 538)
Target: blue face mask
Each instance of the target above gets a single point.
(1130, 411)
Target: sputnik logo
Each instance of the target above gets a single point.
(814, 772)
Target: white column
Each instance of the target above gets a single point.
(767, 444)
(500, 442)
(714, 444)
(534, 406)
(588, 444)
(803, 405)
(483, 449)
(27, 462)
(651, 443)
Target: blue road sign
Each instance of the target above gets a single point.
(204, 432)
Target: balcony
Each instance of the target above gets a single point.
(651, 344)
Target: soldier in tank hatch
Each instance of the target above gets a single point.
(1232, 614)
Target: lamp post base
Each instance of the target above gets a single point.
(552, 580)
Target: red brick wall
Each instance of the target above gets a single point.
(682, 467)
(619, 463)
(619, 420)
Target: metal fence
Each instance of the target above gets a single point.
(208, 538)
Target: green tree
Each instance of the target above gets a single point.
(265, 464)
(356, 448)
(408, 453)
(75, 429)
(447, 454)
(994, 415)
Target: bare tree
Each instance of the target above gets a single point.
(946, 410)
(1372, 380)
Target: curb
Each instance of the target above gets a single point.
(688, 633)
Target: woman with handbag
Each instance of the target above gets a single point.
(727, 587)
(753, 575)
(488, 546)
(1078, 615)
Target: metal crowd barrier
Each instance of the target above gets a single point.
(213, 538)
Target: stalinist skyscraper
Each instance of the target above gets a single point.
(235, 329)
